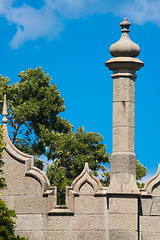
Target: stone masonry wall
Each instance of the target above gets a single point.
(85, 215)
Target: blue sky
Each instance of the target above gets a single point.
(70, 39)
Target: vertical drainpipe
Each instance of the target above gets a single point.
(124, 66)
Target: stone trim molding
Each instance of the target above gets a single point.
(151, 183)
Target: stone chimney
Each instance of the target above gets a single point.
(124, 66)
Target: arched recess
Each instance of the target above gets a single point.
(86, 177)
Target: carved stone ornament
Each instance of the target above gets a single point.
(125, 47)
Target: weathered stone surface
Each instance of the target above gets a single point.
(123, 184)
(123, 139)
(124, 114)
(91, 235)
(86, 189)
(156, 189)
(123, 162)
(29, 222)
(32, 186)
(123, 221)
(31, 204)
(13, 170)
(90, 204)
(89, 222)
(32, 235)
(123, 234)
(146, 204)
(155, 210)
(9, 200)
(150, 224)
(123, 90)
(150, 236)
(123, 205)
(59, 235)
(63, 223)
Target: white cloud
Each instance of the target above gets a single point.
(49, 21)
(143, 11)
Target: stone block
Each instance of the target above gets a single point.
(31, 235)
(150, 224)
(59, 235)
(123, 89)
(29, 222)
(123, 162)
(61, 222)
(90, 222)
(90, 204)
(32, 186)
(146, 206)
(14, 173)
(115, 234)
(123, 139)
(123, 221)
(123, 114)
(31, 204)
(150, 236)
(123, 205)
(155, 210)
(91, 235)
(9, 200)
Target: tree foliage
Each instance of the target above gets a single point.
(70, 152)
(35, 106)
(7, 223)
(141, 171)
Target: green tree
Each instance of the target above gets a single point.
(69, 152)
(7, 223)
(34, 115)
(141, 171)
(34, 106)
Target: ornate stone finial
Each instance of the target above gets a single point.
(5, 112)
(125, 47)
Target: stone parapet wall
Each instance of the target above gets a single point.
(85, 215)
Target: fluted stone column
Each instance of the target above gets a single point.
(124, 66)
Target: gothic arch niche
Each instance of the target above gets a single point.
(86, 188)
(85, 182)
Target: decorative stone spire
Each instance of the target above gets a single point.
(5, 112)
(125, 47)
(124, 66)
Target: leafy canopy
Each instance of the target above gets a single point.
(70, 152)
(34, 106)
(37, 128)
